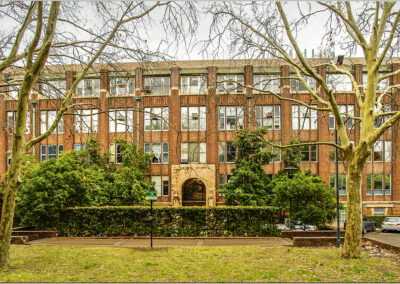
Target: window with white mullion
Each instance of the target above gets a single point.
(268, 116)
(193, 152)
(156, 119)
(345, 111)
(230, 83)
(193, 84)
(304, 118)
(382, 85)
(120, 120)
(156, 85)
(230, 117)
(298, 86)
(88, 88)
(86, 120)
(193, 118)
(122, 86)
(267, 83)
(339, 82)
(160, 152)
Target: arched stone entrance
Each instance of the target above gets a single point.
(180, 174)
(193, 192)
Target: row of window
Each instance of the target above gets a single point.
(230, 118)
(377, 184)
(195, 85)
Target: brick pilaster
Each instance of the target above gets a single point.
(212, 117)
(286, 107)
(248, 80)
(69, 120)
(174, 119)
(103, 116)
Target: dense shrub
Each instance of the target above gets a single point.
(169, 221)
(379, 219)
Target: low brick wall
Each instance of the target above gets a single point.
(316, 241)
(35, 235)
(19, 240)
(380, 244)
(324, 233)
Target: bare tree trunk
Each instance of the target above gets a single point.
(352, 243)
(7, 212)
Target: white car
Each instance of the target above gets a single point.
(391, 224)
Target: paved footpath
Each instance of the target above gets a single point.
(388, 238)
(161, 242)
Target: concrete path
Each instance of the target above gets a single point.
(161, 242)
(392, 238)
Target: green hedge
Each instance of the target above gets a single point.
(379, 219)
(169, 221)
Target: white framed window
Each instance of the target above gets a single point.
(12, 120)
(13, 91)
(342, 183)
(266, 83)
(115, 153)
(156, 119)
(88, 88)
(298, 86)
(120, 120)
(379, 211)
(310, 153)
(78, 147)
(193, 153)
(343, 110)
(157, 85)
(343, 215)
(161, 183)
(304, 118)
(54, 88)
(120, 86)
(378, 184)
(268, 116)
(193, 118)
(381, 152)
(48, 152)
(275, 150)
(47, 118)
(230, 83)
(86, 120)
(382, 85)
(194, 84)
(230, 117)
(381, 120)
(339, 82)
(159, 150)
(226, 152)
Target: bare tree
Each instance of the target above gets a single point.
(63, 33)
(264, 30)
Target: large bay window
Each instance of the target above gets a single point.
(382, 151)
(226, 152)
(309, 153)
(378, 184)
(161, 183)
(156, 119)
(298, 86)
(12, 120)
(193, 153)
(48, 152)
(193, 118)
(382, 85)
(54, 89)
(342, 183)
(230, 117)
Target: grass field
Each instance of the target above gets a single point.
(193, 264)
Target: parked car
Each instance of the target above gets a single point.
(368, 225)
(391, 224)
(298, 226)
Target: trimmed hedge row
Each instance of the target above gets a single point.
(169, 221)
(379, 219)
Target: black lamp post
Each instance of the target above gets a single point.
(291, 170)
(337, 193)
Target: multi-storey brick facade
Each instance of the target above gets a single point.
(182, 112)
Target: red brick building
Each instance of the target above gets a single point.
(187, 114)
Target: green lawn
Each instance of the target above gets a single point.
(193, 264)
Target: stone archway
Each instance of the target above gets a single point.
(181, 173)
(193, 192)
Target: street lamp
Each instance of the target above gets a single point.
(291, 170)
